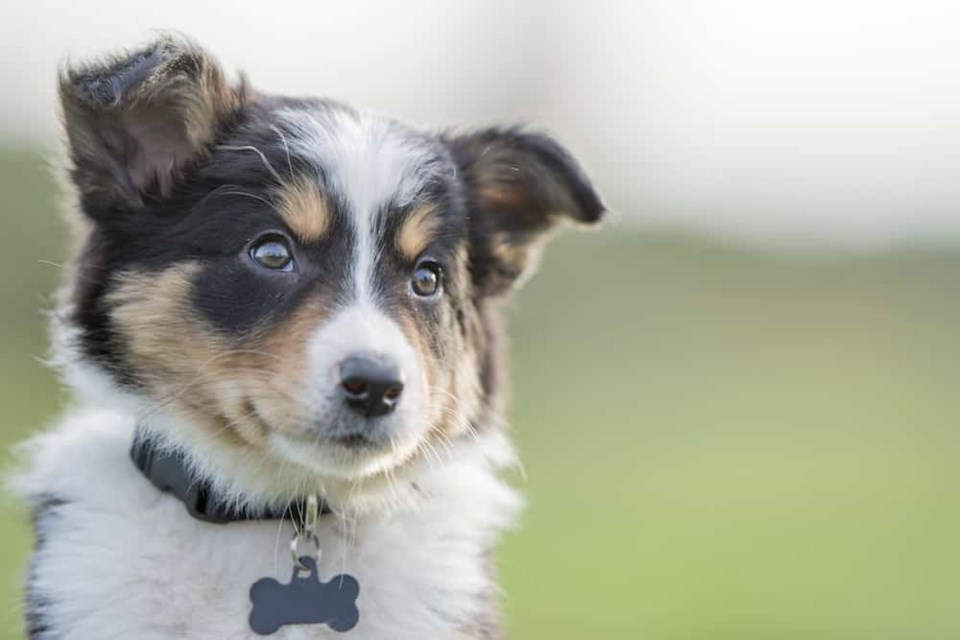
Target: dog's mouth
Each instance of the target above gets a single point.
(347, 456)
(354, 441)
(352, 438)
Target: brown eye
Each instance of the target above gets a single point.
(272, 254)
(426, 279)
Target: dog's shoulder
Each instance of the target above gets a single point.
(81, 458)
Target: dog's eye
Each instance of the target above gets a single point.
(426, 279)
(273, 253)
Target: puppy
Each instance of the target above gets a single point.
(281, 329)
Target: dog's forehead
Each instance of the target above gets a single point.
(368, 164)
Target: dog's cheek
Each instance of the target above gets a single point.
(463, 387)
(165, 343)
(458, 401)
(444, 346)
(184, 365)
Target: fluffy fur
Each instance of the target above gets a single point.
(170, 321)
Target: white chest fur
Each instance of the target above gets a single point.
(117, 559)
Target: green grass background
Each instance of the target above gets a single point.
(719, 443)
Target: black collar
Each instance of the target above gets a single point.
(169, 473)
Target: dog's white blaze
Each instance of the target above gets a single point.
(369, 163)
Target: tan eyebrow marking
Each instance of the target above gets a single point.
(304, 209)
(417, 230)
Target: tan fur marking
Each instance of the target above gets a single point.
(418, 229)
(237, 392)
(176, 356)
(304, 210)
(154, 314)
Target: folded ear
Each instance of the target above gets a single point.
(132, 121)
(520, 186)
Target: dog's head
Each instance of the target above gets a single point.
(290, 277)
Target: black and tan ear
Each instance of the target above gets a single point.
(520, 187)
(134, 120)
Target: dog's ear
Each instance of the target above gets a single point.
(134, 120)
(520, 186)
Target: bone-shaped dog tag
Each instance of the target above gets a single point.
(305, 600)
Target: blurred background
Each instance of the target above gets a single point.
(738, 403)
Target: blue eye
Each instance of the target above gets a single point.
(272, 254)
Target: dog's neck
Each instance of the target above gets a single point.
(254, 481)
(167, 470)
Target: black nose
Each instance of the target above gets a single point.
(370, 386)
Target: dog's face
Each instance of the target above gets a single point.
(290, 276)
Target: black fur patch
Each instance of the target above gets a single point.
(36, 604)
(107, 87)
(540, 183)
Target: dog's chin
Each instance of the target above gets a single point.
(346, 457)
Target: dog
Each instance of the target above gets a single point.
(281, 328)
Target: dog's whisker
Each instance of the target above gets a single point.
(233, 190)
(421, 450)
(167, 400)
(432, 449)
(286, 147)
(250, 147)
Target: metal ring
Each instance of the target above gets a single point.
(312, 513)
(306, 530)
(310, 537)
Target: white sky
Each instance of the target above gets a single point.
(780, 121)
